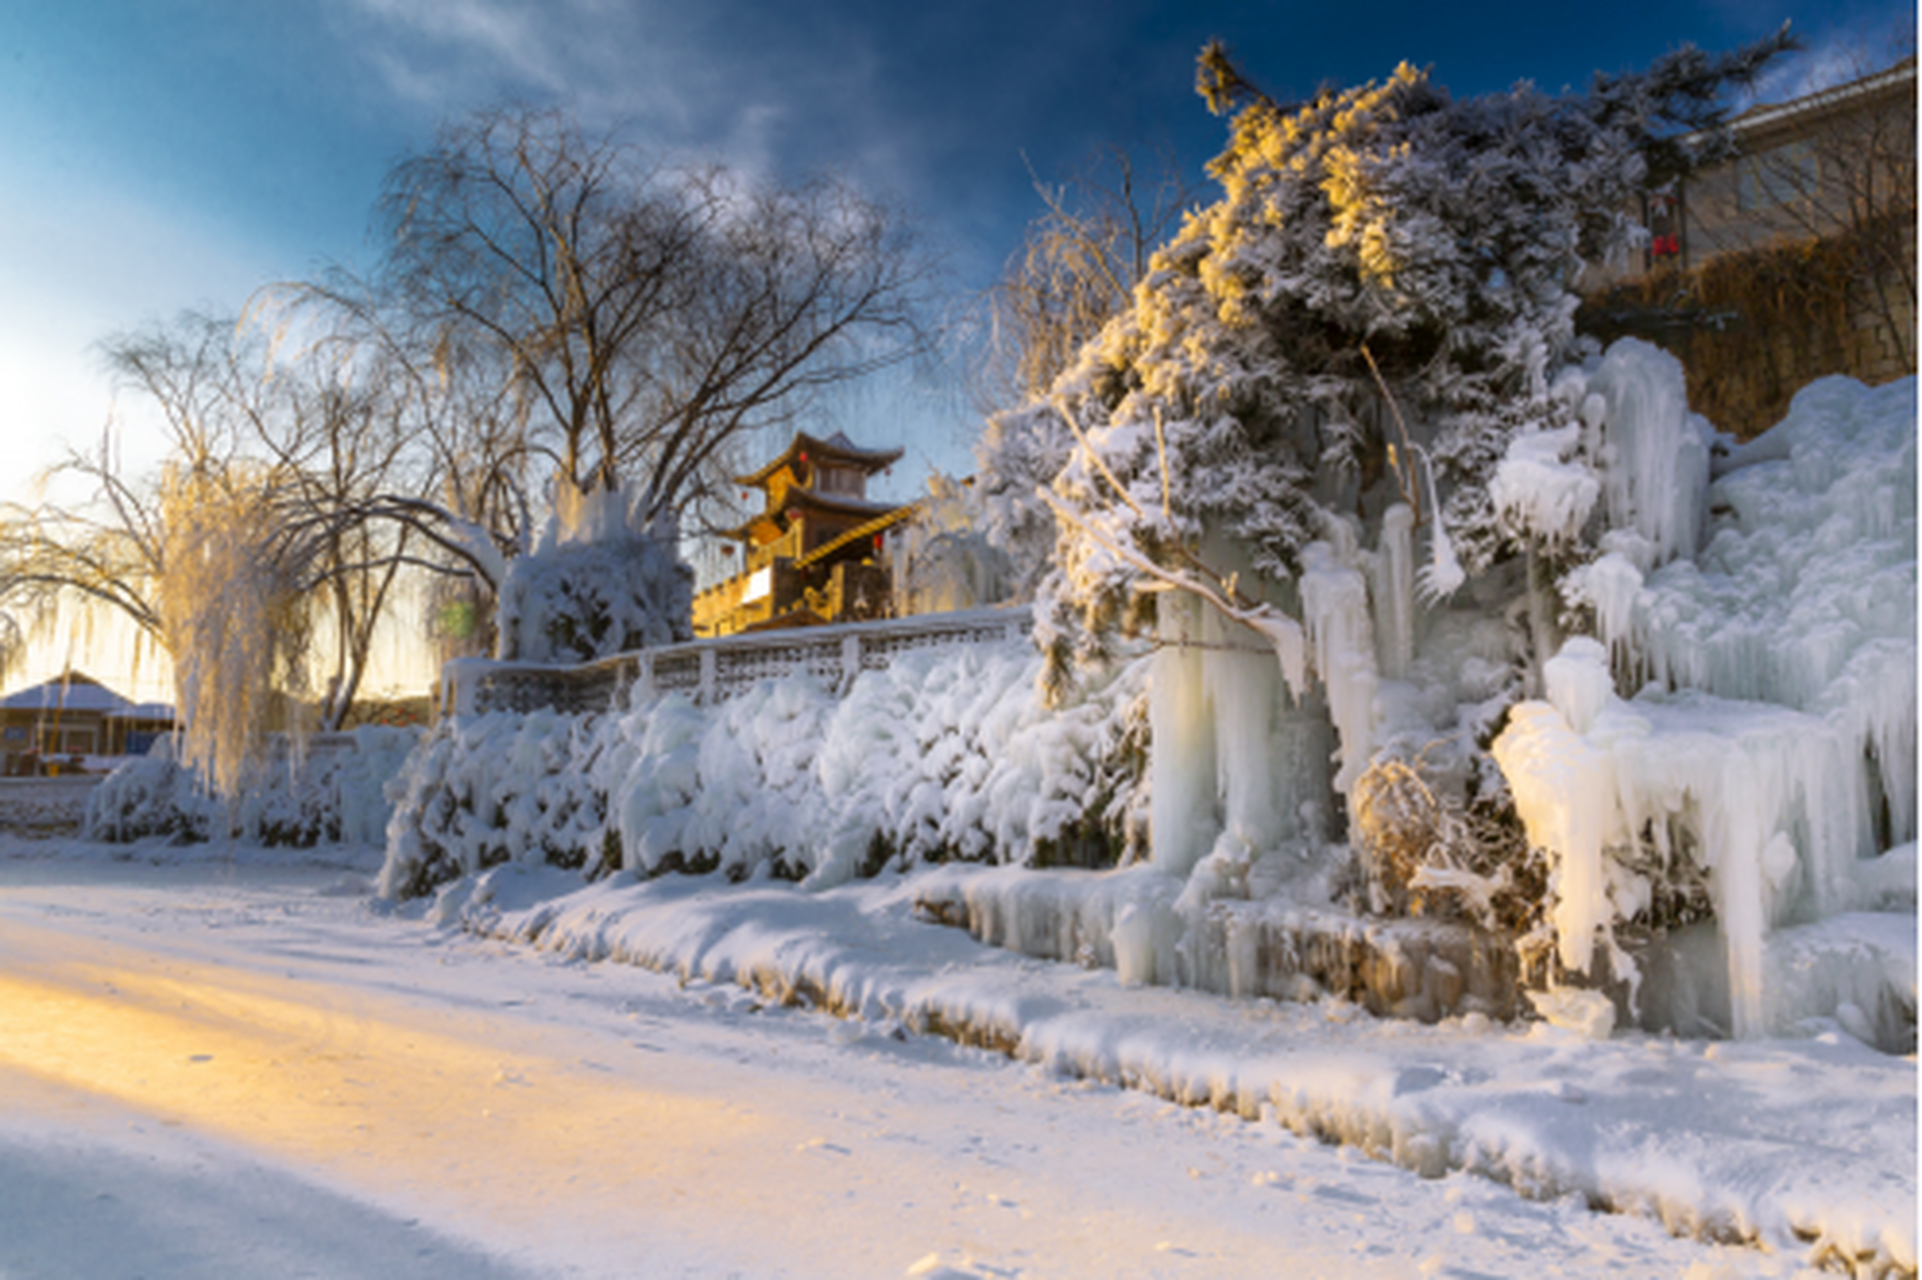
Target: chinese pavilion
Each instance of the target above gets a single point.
(813, 554)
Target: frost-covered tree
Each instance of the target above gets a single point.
(1375, 307)
(634, 321)
(233, 559)
(1076, 270)
(1078, 265)
(12, 643)
(232, 612)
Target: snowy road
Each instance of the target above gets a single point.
(231, 1067)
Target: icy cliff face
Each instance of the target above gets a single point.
(1769, 741)
(1735, 743)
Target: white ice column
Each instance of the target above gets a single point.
(1394, 592)
(1182, 809)
(1241, 683)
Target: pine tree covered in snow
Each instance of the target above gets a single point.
(1377, 304)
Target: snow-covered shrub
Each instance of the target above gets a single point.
(594, 585)
(946, 753)
(502, 787)
(332, 790)
(154, 795)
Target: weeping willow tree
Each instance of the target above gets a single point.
(12, 644)
(233, 615)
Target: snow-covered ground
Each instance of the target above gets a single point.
(221, 1060)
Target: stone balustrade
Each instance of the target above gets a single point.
(713, 670)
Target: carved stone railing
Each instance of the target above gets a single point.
(713, 670)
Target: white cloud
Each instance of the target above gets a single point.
(1835, 56)
(764, 92)
(608, 61)
(508, 41)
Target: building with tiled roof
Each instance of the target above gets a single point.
(814, 552)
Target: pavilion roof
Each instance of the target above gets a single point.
(829, 503)
(836, 447)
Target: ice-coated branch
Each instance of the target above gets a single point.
(1283, 633)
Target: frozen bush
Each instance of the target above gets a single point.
(328, 790)
(945, 754)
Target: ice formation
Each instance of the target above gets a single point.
(1774, 740)
(1745, 713)
(1334, 605)
(1540, 489)
(1183, 794)
(1394, 590)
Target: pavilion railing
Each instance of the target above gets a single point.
(714, 670)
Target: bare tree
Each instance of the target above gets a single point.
(340, 436)
(638, 317)
(1076, 270)
(1078, 266)
(109, 552)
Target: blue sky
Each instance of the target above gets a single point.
(166, 154)
(175, 153)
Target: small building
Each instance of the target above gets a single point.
(75, 715)
(814, 553)
(1791, 260)
(1819, 165)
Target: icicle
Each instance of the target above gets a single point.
(1442, 576)
(1181, 811)
(1656, 481)
(1610, 586)
(1334, 602)
(1394, 591)
(1578, 682)
(1240, 681)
